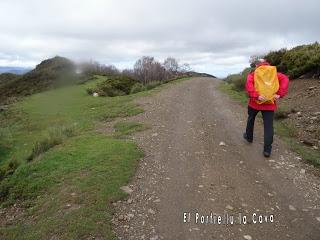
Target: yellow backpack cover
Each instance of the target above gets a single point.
(266, 83)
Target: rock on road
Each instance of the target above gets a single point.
(197, 162)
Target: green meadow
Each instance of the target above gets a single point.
(60, 168)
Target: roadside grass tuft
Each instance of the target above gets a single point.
(55, 137)
(126, 128)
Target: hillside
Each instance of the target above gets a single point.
(49, 73)
(303, 116)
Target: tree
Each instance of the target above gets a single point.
(184, 68)
(171, 65)
(147, 69)
(254, 60)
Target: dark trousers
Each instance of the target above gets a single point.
(267, 123)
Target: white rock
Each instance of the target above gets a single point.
(222, 144)
(318, 219)
(95, 94)
(292, 208)
(247, 237)
(151, 211)
(302, 171)
(126, 189)
(229, 207)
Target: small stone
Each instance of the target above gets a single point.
(229, 207)
(318, 219)
(151, 211)
(292, 208)
(302, 171)
(247, 237)
(154, 238)
(130, 215)
(200, 186)
(121, 217)
(157, 200)
(126, 189)
(222, 144)
(129, 201)
(154, 134)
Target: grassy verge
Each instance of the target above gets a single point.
(70, 190)
(125, 128)
(282, 129)
(73, 172)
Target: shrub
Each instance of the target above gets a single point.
(115, 86)
(138, 87)
(90, 91)
(152, 85)
(9, 168)
(238, 81)
(297, 61)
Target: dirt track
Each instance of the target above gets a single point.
(188, 169)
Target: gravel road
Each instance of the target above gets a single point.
(201, 180)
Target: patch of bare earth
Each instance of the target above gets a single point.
(303, 101)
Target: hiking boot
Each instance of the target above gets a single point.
(245, 136)
(266, 154)
(267, 151)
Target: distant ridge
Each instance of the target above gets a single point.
(48, 74)
(15, 70)
(197, 74)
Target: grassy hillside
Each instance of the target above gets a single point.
(48, 74)
(65, 191)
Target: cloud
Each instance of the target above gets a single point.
(213, 36)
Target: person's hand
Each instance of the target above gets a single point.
(261, 98)
(276, 96)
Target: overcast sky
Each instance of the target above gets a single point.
(213, 36)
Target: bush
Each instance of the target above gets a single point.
(90, 91)
(115, 86)
(152, 85)
(9, 168)
(297, 61)
(238, 81)
(55, 137)
(138, 87)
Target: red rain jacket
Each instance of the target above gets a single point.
(253, 95)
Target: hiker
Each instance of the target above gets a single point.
(264, 86)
